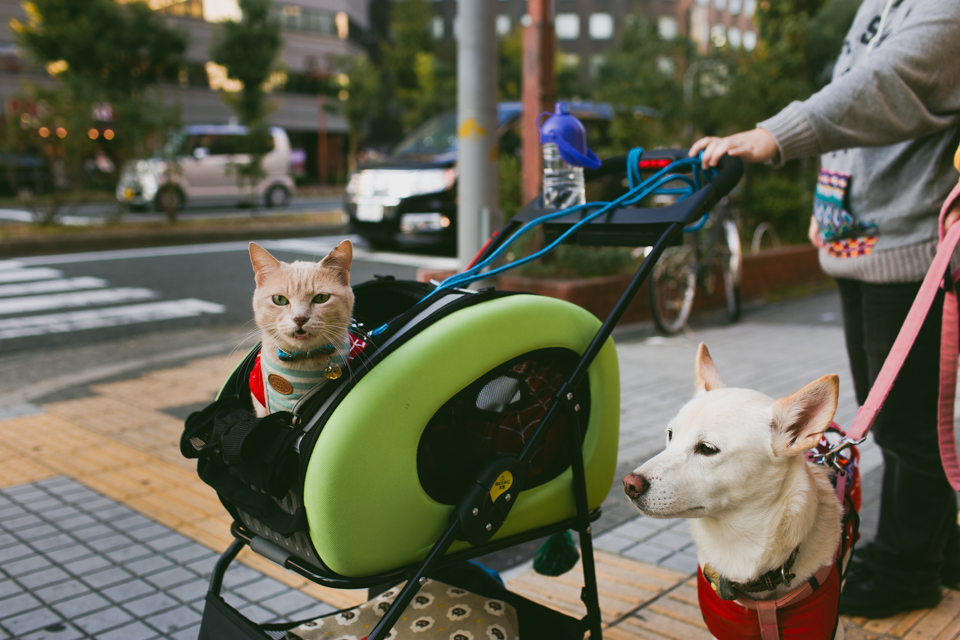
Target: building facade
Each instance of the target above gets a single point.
(586, 28)
(317, 34)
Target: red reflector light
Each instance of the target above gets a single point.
(655, 164)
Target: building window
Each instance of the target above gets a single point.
(749, 40)
(667, 27)
(735, 7)
(601, 26)
(503, 25)
(749, 7)
(184, 8)
(734, 37)
(437, 27)
(718, 35)
(567, 26)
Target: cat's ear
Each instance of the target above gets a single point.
(339, 261)
(264, 264)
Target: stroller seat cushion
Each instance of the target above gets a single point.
(438, 610)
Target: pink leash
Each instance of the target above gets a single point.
(937, 276)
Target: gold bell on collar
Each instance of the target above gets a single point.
(332, 371)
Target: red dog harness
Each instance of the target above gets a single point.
(809, 612)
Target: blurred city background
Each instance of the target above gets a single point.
(93, 90)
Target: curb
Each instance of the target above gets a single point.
(140, 239)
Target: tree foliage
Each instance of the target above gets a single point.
(106, 60)
(248, 49)
(409, 79)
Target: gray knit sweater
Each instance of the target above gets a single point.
(891, 119)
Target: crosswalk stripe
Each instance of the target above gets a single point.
(74, 299)
(51, 286)
(11, 264)
(23, 275)
(111, 317)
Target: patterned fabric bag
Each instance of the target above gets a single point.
(437, 611)
(841, 233)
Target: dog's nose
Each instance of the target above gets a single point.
(635, 485)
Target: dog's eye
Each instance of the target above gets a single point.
(705, 449)
(669, 435)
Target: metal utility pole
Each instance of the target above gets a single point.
(477, 211)
(538, 90)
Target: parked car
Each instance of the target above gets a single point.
(204, 171)
(411, 195)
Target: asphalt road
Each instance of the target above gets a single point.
(68, 320)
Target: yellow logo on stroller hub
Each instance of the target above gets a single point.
(503, 482)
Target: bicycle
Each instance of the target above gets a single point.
(712, 249)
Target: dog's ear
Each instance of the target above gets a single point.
(801, 418)
(707, 376)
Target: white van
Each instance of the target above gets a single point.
(206, 155)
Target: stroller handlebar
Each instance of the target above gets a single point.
(730, 168)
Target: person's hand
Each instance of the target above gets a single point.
(756, 145)
(952, 216)
(814, 233)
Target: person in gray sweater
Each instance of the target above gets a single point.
(885, 128)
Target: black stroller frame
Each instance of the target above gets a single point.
(476, 518)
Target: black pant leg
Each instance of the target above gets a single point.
(918, 508)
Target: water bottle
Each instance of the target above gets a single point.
(565, 154)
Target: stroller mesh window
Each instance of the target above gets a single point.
(496, 415)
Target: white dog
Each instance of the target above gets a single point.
(760, 514)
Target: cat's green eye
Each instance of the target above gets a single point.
(320, 298)
(280, 300)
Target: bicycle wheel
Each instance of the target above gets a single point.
(672, 287)
(731, 265)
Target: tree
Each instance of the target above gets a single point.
(407, 79)
(105, 58)
(643, 70)
(248, 50)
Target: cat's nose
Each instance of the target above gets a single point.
(301, 320)
(635, 485)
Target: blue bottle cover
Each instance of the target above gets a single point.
(568, 134)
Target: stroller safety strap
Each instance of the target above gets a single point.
(938, 275)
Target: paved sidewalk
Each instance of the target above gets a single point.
(106, 532)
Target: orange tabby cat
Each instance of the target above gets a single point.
(303, 311)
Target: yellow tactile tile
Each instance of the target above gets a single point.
(15, 469)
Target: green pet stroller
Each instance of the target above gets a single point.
(472, 422)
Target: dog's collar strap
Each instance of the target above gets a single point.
(769, 581)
